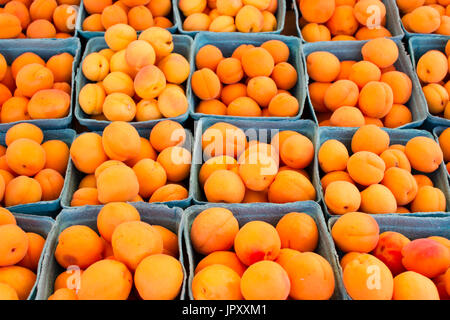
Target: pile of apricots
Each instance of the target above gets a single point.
(389, 265)
(30, 170)
(325, 20)
(425, 16)
(432, 70)
(38, 18)
(229, 15)
(20, 252)
(253, 82)
(135, 79)
(31, 88)
(240, 171)
(121, 166)
(267, 263)
(139, 14)
(351, 94)
(129, 252)
(383, 174)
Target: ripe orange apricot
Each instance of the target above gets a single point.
(356, 232)
(28, 165)
(223, 139)
(381, 51)
(7, 292)
(343, 21)
(376, 99)
(159, 277)
(400, 84)
(32, 78)
(114, 15)
(398, 116)
(429, 199)
(313, 32)
(377, 199)
(149, 82)
(121, 141)
(208, 56)
(363, 72)
(35, 246)
(117, 183)
(93, 23)
(20, 279)
(166, 134)
(6, 217)
(217, 282)
(87, 152)
(432, 67)
(317, 11)
(323, 66)
(291, 186)
(257, 241)
(297, 151)
(170, 241)
(14, 246)
(414, 286)
(357, 275)
(402, 184)
(169, 192)
(51, 182)
(341, 93)
(333, 156)
(342, 197)
(370, 138)
(172, 102)
(85, 196)
(176, 161)
(226, 258)
(262, 90)
(140, 18)
(135, 240)
(24, 130)
(78, 245)
(49, 104)
(106, 280)
(114, 214)
(424, 19)
(258, 62)
(424, 154)
(366, 168)
(298, 231)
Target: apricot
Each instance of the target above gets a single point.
(85, 196)
(317, 11)
(342, 197)
(377, 199)
(223, 139)
(249, 19)
(368, 278)
(32, 78)
(197, 22)
(117, 183)
(348, 257)
(28, 165)
(209, 57)
(119, 107)
(93, 23)
(370, 138)
(51, 182)
(24, 130)
(169, 192)
(118, 82)
(389, 250)
(298, 231)
(381, 51)
(363, 72)
(244, 106)
(402, 185)
(366, 33)
(217, 282)
(394, 158)
(257, 62)
(297, 151)
(356, 231)
(376, 99)
(262, 90)
(257, 241)
(341, 93)
(151, 176)
(149, 82)
(333, 156)
(87, 152)
(114, 214)
(49, 104)
(121, 141)
(106, 280)
(314, 32)
(88, 181)
(172, 102)
(317, 93)
(214, 229)
(133, 241)
(166, 134)
(323, 66)
(414, 286)
(20, 279)
(243, 48)
(212, 107)
(95, 67)
(343, 21)
(140, 18)
(291, 186)
(160, 39)
(400, 84)
(424, 154)
(437, 97)
(398, 116)
(265, 280)
(283, 105)
(424, 19)
(432, 67)
(159, 277)
(307, 268)
(335, 176)
(176, 161)
(427, 257)
(78, 245)
(14, 246)
(147, 110)
(366, 168)
(63, 294)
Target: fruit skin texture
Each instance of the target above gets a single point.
(356, 232)
(427, 257)
(159, 277)
(414, 286)
(256, 241)
(214, 229)
(14, 245)
(106, 280)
